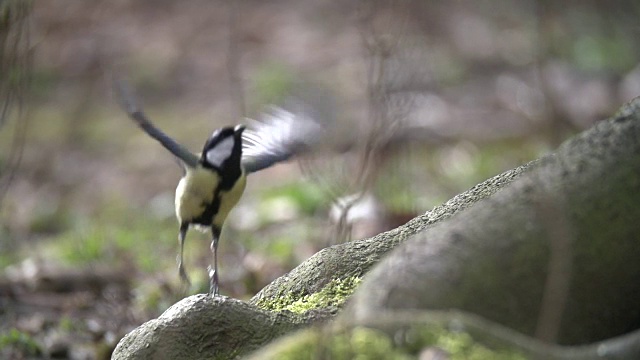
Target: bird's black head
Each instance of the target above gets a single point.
(223, 149)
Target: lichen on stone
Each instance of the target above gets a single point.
(333, 294)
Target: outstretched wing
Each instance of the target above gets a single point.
(128, 103)
(277, 136)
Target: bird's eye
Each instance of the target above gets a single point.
(220, 152)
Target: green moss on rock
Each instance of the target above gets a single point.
(359, 343)
(334, 294)
(365, 343)
(458, 345)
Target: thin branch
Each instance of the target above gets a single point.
(233, 62)
(16, 71)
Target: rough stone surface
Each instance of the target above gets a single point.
(568, 219)
(201, 327)
(575, 212)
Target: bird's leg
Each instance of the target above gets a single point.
(181, 237)
(213, 273)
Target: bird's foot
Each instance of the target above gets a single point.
(183, 275)
(213, 282)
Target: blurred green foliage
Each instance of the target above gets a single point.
(305, 196)
(112, 237)
(459, 345)
(597, 52)
(272, 83)
(15, 343)
(66, 324)
(50, 221)
(365, 343)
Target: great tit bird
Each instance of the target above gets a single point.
(214, 181)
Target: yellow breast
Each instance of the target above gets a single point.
(195, 192)
(228, 200)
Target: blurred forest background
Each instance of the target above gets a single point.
(431, 98)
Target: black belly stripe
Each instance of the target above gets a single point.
(210, 211)
(229, 179)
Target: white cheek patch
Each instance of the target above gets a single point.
(221, 152)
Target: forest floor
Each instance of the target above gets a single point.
(87, 234)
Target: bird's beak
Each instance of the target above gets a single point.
(239, 129)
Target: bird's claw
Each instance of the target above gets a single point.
(213, 282)
(183, 275)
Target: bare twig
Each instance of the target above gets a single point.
(16, 59)
(556, 122)
(233, 62)
(379, 47)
